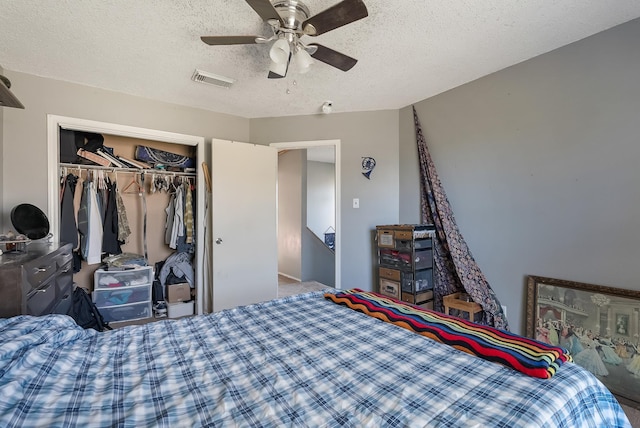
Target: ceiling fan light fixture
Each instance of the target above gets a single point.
(303, 60)
(278, 70)
(280, 51)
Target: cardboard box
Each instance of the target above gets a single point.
(182, 309)
(178, 292)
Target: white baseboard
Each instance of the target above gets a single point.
(290, 277)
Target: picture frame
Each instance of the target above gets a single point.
(599, 326)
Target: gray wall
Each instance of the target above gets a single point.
(372, 134)
(318, 261)
(291, 167)
(540, 163)
(321, 196)
(25, 131)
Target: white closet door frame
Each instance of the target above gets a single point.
(53, 156)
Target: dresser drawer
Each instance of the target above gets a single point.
(40, 301)
(418, 298)
(389, 273)
(38, 271)
(390, 288)
(43, 296)
(404, 234)
(65, 300)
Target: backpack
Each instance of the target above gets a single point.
(85, 313)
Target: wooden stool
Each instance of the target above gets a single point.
(458, 301)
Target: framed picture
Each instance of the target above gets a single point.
(599, 325)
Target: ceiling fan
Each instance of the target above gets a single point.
(290, 20)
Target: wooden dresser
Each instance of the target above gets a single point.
(38, 281)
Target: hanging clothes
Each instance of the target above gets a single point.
(178, 218)
(83, 220)
(455, 269)
(77, 198)
(124, 231)
(170, 211)
(94, 245)
(110, 243)
(68, 226)
(188, 214)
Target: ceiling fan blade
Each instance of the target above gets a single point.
(229, 40)
(333, 58)
(265, 9)
(343, 13)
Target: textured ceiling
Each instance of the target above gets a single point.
(408, 50)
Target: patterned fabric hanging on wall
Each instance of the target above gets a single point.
(455, 269)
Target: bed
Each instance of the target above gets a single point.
(296, 361)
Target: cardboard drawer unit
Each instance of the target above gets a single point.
(390, 288)
(123, 295)
(405, 262)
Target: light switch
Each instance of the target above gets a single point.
(356, 203)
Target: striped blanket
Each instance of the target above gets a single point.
(525, 355)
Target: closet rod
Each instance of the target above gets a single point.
(118, 169)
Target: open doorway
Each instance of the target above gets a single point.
(309, 223)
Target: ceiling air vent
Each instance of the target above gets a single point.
(212, 79)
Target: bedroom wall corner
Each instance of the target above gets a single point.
(409, 178)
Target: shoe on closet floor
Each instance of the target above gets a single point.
(160, 309)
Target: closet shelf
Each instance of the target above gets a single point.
(117, 169)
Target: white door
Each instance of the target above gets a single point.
(243, 211)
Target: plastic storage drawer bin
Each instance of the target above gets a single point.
(424, 259)
(122, 296)
(124, 278)
(126, 312)
(423, 281)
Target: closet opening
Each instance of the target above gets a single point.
(146, 188)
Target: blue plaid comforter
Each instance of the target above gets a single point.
(299, 361)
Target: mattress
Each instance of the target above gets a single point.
(297, 361)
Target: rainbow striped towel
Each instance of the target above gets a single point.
(525, 355)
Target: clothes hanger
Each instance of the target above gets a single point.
(134, 180)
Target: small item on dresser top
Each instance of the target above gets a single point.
(10, 242)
